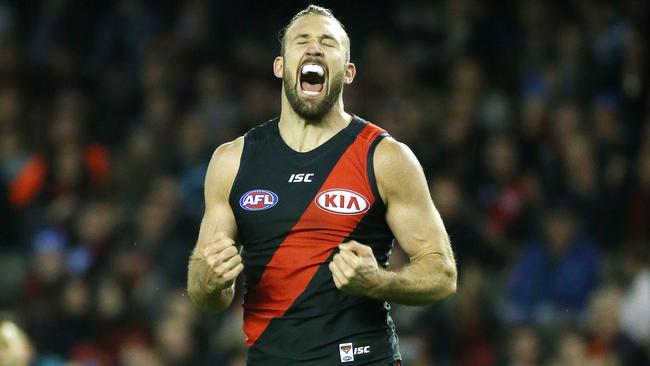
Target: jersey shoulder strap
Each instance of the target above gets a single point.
(370, 132)
(262, 132)
(371, 135)
(256, 138)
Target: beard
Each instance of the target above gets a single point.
(312, 110)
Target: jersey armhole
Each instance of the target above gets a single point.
(255, 137)
(371, 170)
(246, 150)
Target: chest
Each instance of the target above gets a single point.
(273, 195)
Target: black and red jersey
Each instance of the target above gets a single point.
(292, 211)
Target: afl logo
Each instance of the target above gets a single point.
(258, 199)
(342, 202)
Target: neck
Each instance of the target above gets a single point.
(305, 135)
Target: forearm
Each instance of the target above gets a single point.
(199, 290)
(427, 279)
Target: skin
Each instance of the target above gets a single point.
(15, 347)
(215, 262)
(411, 215)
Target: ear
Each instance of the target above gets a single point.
(278, 67)
(350, 72)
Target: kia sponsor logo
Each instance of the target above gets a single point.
(258, 199)
(342, 202)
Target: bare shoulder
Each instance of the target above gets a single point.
(224, 165)
(228, 154)
(391, 154)
(396, 167)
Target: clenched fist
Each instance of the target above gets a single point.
(355, 269)
(224, 260)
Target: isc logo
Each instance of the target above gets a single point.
(258, 199)
(342, 202)
(301, 177)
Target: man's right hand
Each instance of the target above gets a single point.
(224, 260)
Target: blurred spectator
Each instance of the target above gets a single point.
(215, 105)
(634, 314)
(175, 342)
(121, 33)
(138, 354)
(571, 350)
(503, 196)
(465, 332)
(554, 274)
(607, 345)
(15, 348)
(639, 197)
(524, 347)
(460, 222)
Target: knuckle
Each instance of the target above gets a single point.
(223, 258)
(227, 254)
(215, 245)
(217, 259)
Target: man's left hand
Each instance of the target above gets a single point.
(354, 269)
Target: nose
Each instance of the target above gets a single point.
(314, 50)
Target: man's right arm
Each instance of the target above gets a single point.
(215, 261)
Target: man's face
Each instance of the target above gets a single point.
(314, 65)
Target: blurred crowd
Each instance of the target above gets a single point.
(531, 120)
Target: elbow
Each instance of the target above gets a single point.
(451, 283)
(448, 285)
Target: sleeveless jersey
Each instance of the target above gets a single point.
(292, 211)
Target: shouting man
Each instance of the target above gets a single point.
(307, 205)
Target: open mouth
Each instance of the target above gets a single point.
(312, 79)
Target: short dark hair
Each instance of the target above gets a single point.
(313, 10)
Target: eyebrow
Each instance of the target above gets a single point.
(323, 36)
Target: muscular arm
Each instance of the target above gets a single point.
(204, 281)
(417, 226)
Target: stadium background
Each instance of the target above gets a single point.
(530, 118)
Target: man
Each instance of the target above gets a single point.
(315, 197)
(15, 348)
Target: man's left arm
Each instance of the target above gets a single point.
(417, 226)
